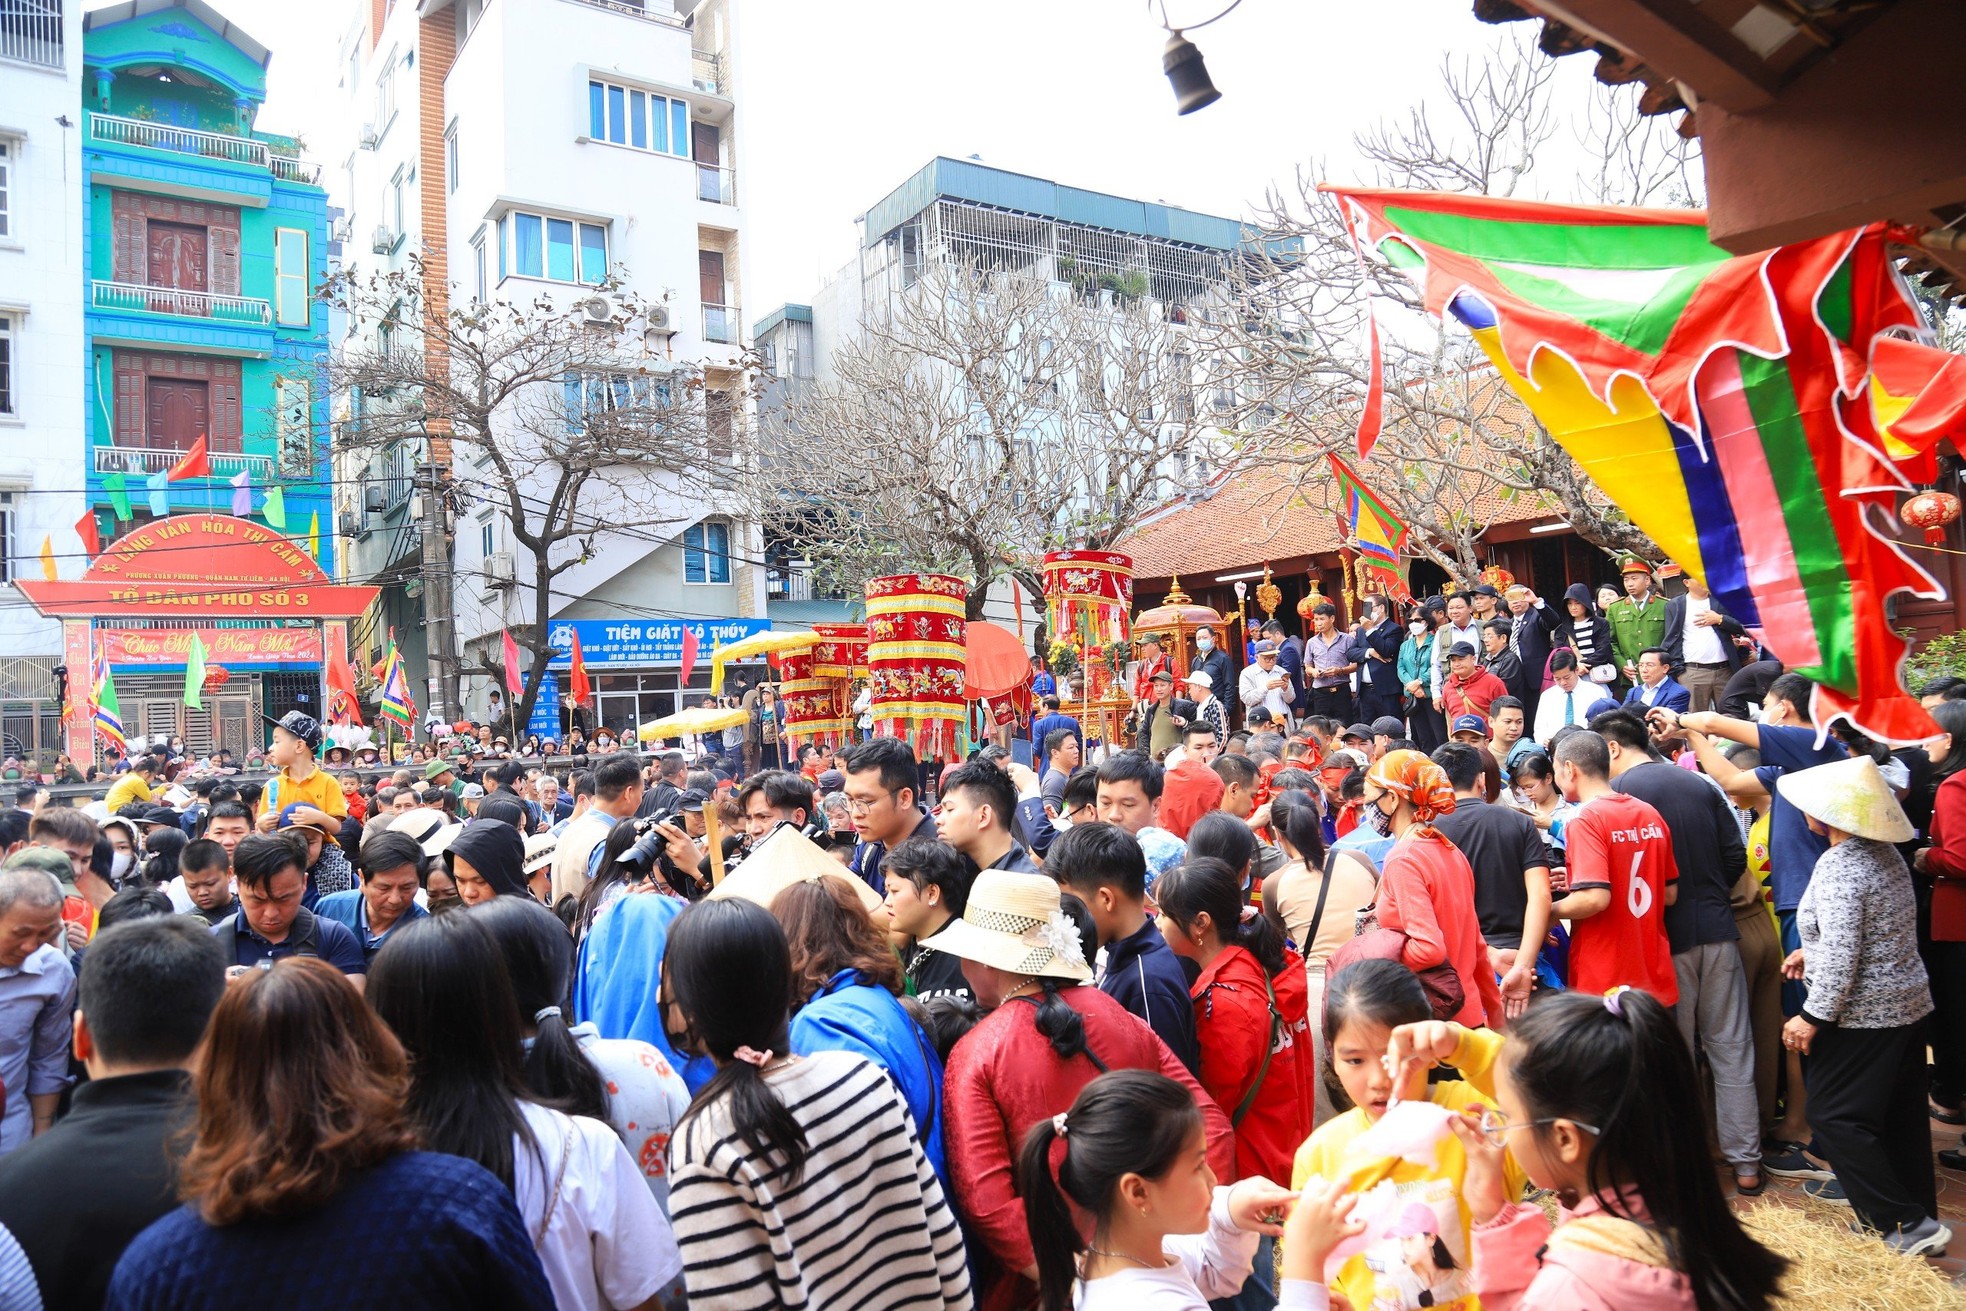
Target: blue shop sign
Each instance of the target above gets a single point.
(545, 719)
(621, 642)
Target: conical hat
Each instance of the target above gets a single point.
(1850, 795)
(785, 857)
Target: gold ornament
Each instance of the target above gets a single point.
(1268, 594)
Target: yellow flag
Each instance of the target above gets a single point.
(48, 558)
(314, 537)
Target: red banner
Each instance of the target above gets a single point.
(223, 646)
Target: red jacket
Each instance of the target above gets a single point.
(1190, 790)
(1472, 697)
(1945, 861)
(1003, 1077)
(1233, 1029)
(1427, 893)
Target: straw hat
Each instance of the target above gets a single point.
(786, 857)
(1015, 923)
(428, 829)
(1850, 795)
(540, 848)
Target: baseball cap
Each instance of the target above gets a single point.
(1266, 647)
(472, 792)
(1389, 726)
(303, 726)
(832, 780)
(1163, 677)
(1486, 589)
(1363, 732)
(1469, 724)
(691, 800)
(288, 819)
(1460, 649)
(1199, 678)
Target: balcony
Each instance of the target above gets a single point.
(716, 185)
(30, 31)
(632, 9)
(233, 311)
(720, 323)
(146, 460)
(148, 135)
(706, 72)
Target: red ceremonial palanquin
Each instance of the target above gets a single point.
(1088, 597)
(817, 685)
(916, 628)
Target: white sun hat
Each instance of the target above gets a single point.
(1850, 795)
(1016, 923)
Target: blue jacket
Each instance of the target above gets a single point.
(1670, 695)
(1044, 725)
(619, 970)
(1144, 976)
(852, 1015)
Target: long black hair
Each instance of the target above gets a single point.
(1126, 1122)
(1614, 1064)
(611, 874)
(1057, 1022)
(1951, 717)
(1382, 992)
(728, 969)
(538, 956)
(1222, 836)
(1203, 885)
(1297, 817)
(440, 984)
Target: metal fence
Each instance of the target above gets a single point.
(31, 31)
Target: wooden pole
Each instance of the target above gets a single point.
(713, 835)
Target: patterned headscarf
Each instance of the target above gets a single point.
(1412, 777)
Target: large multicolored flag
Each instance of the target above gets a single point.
(1723, 401)
(396, 702)
(1379, 532)
(104, 709)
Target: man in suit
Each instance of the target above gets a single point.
(1699, 644)
(1377, 650)
(1655, 685)
(1531, 624)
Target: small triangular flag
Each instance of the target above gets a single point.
(119, 497)
(274, 511)
(242, 494)
(314, 537)
(48, 558)
(91, 536)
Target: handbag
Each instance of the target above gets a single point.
(1604, 673)
(1442, 982)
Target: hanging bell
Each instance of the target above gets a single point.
(1187, 74)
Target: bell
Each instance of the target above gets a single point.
(1187, 74)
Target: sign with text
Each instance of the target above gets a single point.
(545, 719)
(620, 643)
(223, 646)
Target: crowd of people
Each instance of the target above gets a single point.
(1263, 1007)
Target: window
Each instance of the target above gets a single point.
(450, 158)
(6, 537)
(9, 407)
(396, 203)
(385, 94)
(296, 427)
(498, 234)
(478, 264)
(355, 67)
(706, 552)
(587, 394)
(640, 120)
(291, 305)
(562, 250)
(6, 188)
(487, 537)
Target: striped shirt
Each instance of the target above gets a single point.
(866, 1226)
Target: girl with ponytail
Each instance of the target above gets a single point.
(1131, 1156)
(1592, 1093)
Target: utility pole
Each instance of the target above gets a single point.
(439, 620)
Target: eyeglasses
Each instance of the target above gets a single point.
(856, 806)
(1495, 1125)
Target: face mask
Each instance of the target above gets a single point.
(1374, 817)
(1204, 642)
(119, 864)
(1417, 628)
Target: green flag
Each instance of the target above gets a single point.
(119, 497)
(194, 672)
(275, 509)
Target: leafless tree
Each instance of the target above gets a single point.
(571, 427)
(1456, 444)
(980, 419)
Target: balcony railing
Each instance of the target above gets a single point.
(151, 459)
(206, 145)
(240, 311)
(716, 185)
(720, 322)
(706, 72)
(30, 31)
(633, 9)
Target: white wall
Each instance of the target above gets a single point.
(43, 448)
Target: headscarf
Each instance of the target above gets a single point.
(1412, 777)
(496, 851)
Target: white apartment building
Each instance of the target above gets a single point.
(42, 263)
(525, 148)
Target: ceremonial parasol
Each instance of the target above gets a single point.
(692, 723)
(758, 644)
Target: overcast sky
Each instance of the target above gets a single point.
(844, 99)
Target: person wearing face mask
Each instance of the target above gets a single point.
(126, 845)
(1415, 666)
(1211, 659)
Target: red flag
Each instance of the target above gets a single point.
(195, 464)
(85, 528)
(375, 670)
(689, 654)
(344, 707)
(577, 685)
(514, 681)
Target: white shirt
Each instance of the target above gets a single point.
(1701, 645)
(606, 1243)
(1586, 700)
(1251, 688)
(646, 1097)
(1212, 1264)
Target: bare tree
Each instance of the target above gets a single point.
(980, 419)
(1456, 444)
(572, 427)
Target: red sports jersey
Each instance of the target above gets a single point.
(1620, 843)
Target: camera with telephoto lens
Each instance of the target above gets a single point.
(650, 848)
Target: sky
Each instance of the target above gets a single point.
(842, 100)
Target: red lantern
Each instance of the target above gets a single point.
(217, 676)
(1931, 511)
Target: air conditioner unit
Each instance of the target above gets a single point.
(382, 241)
(344, 229)
(374, 500)
(658, 317)
(348, 524)
(598, 310)
(369, 138)
(497, 569)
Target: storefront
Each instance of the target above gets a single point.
(262, 609)
(636, 665)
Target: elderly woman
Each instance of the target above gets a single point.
(1863, 1023)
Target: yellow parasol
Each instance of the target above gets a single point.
(765, 643)
(693, 722)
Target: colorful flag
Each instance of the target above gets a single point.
(242, 494)
(1378, 531)
(1722, 401)
(104, 709)
(375, 670)
(194, 672)
(344, 707)
(160, 493)
(1918, 398)
(197, 463)
(689, 655)
(314, 537)
(515, 681)
(119, 496)
(85, 528)
(48, 569)
(396, 703)
(274, 511)
(578, 686)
